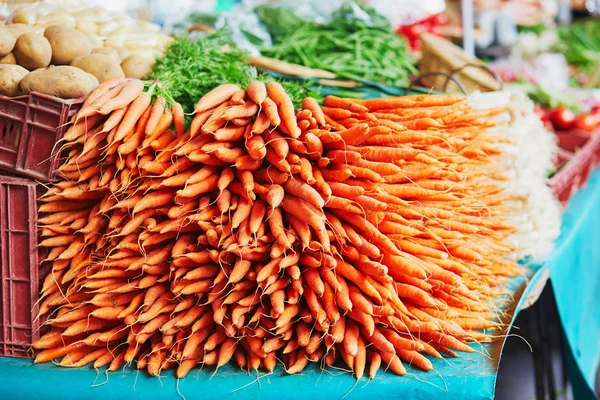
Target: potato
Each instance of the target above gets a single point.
(56, 18)
(94, 13)
(62, 81)
(18, 29)
(136, 66)
(109, 51)
(33, 51)
(10, 78)
(68, 44)
(123, 52)
(50, 31)
(24, 15)
(88, 27)
(102, 66)
(148, 52)
(106, 27)
(8, 59)
(96, 41)
(7, 40)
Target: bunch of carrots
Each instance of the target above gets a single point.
(364, 232)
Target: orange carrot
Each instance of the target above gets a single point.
(286, 108)
(311, 104)
(216, 96)
(128, 92)
(270, 109)
(333, 101)
(247, 110)
(257, 92)
(178, 118)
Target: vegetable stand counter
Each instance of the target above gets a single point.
(471, 376)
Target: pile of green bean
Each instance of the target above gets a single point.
(349, 47)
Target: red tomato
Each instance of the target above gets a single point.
(415, 30)
(595, 110)
(562, 118)
(543, 113)
(587, 122)
(440, 19)
(437, 30)
(403, 29)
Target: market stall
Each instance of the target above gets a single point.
(471, 376)
(275, 198)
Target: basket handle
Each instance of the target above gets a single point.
(448, 76)
(483, 67)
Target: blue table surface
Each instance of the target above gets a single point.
(575, 277)
(470, 376)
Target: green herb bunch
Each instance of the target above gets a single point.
(580, 43)
(192, 67)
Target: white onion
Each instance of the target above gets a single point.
(536, 213)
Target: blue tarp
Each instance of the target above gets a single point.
(575, 275)
(575, 278)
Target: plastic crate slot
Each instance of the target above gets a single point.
(10, 133)
(30, 128)
(20, 270)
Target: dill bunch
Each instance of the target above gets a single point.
(192, 67)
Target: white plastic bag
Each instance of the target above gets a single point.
(406, 12)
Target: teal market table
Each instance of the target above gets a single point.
(575, 278)
(575, 275)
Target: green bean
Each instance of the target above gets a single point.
(349, 48)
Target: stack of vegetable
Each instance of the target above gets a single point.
(106, 28)
(190, 68)
(528, 158)
(431, 24)
(369, 232)
(89, 45)
(580, 43)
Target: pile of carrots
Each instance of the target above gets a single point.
(368, 233)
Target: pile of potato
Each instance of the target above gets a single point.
(67, 53)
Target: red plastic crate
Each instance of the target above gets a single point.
(574, 174)
(20, 271)
(30, 127)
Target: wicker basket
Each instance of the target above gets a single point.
(443, 57)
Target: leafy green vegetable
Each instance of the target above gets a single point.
(280, 21)
(538, 29)
(208, 19)
(191, 68)
(580, 43)
(355, 44)
(547, 98)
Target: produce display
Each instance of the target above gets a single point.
(239, 191)
(39, 36)
(432, 24)
(529, 156)
(353, 42)
(369, 233)
(191, 68)
(558, 69)
(580, 43)
(346, 46)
